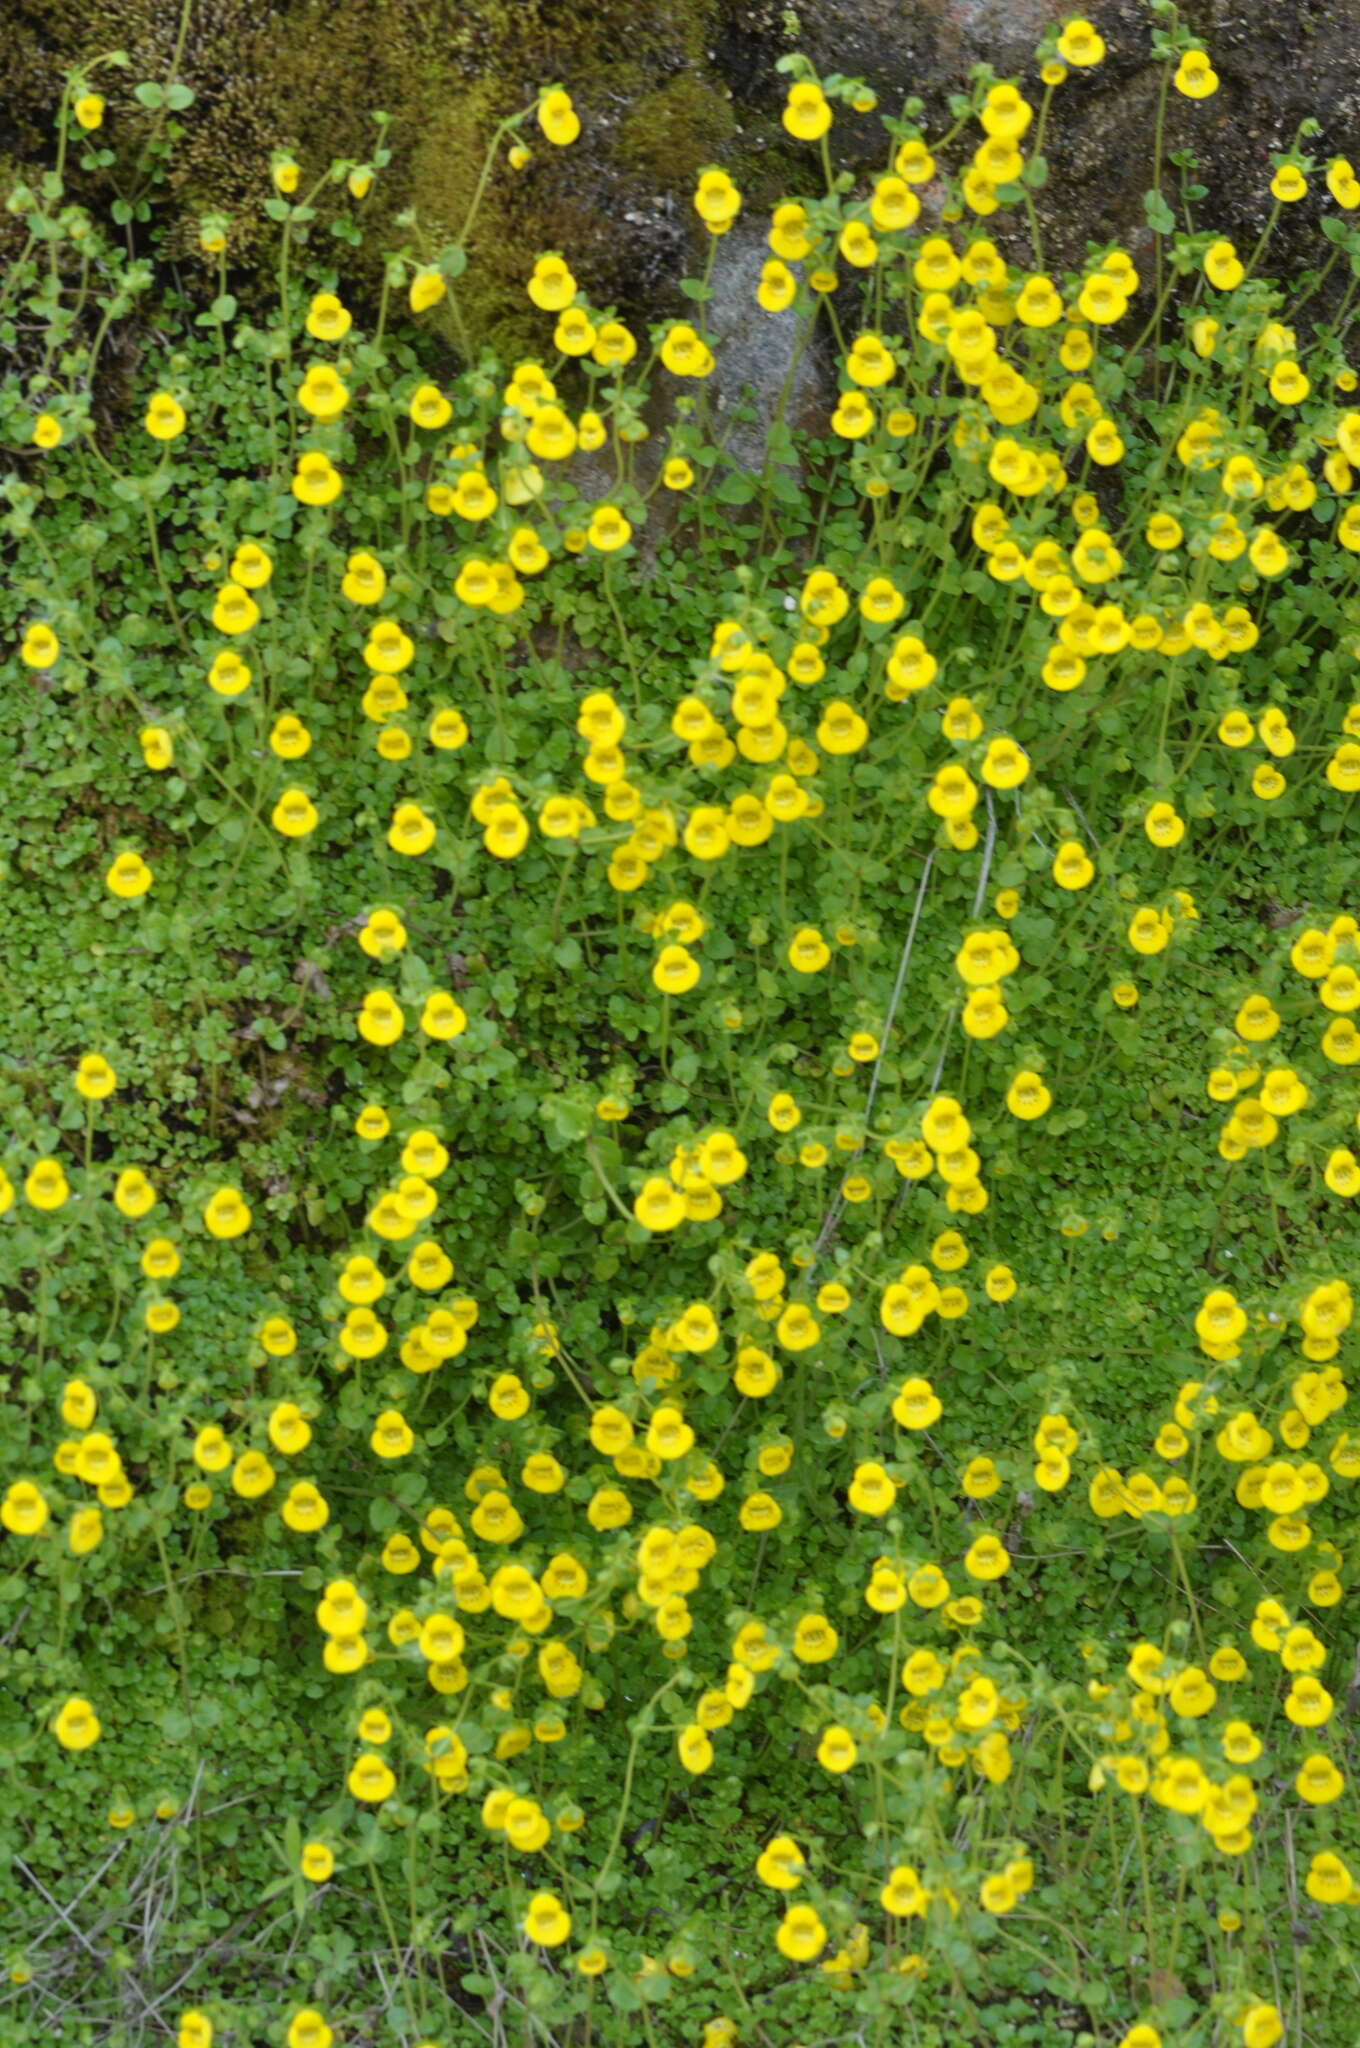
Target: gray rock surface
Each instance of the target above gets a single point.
(755, 352)
(662, 90)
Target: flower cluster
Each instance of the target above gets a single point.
(733, 986)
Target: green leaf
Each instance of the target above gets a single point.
(179, 96)
(1158, 214)
(694, 288)
(735, 489)
(149, 94)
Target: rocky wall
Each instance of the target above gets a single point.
(663, 87)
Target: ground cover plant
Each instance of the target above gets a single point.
(680, 1144)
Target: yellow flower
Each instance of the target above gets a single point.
(800, 1935)
(46, 431)
(836, 1752)
(24, 1510)
(129, 876)
(547, 1922)
(226, 1213)
(388, 650)
(806, 113)
(323, 393)
(660, 1205)
(1195, 76)
(412, 831)
(442, 1017)
(1102, 299)
(316, 480)
(1328, 1880)
(1027, 1097)
(289, 738)
(552, 286)
(716, 201)
(1288, 384)
(608, 529)
(694, 1749)
(39, 647)
(676, 970)
(234, 611)
(780, 1864)
(427, 289)
(365, 580)
(381, 1021)
(133, 1193)
(76, 1725)
(986, 1558)
(228, 675)
(371, 1780)
(507, 831)
(78, 1404)
(1222, 265)
(1163, 825)
(95, 1078)
(89, 110)
(165, 417)
(853, 417)
(808, 951)
(252, 1475)
(327, 319)
(684, 354)
(158, 749)
(894, 205)
(307, 2029)
(1080, 44)
(392, 1435)
(574, 334)
(294, 814)
(557, 117)
(1148, 932)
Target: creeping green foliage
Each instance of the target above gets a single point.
(677, 1194)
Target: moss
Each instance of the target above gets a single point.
(446, 71)
(441, 175)
(662, 87)
(635, 174)
(673, 132)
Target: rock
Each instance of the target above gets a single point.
(664, 89)
(755, 353)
